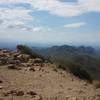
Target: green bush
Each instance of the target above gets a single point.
(27, 50)
(61, 67)
(97, 85)
(78, 71)
(24, 49)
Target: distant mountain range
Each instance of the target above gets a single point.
(65, 51)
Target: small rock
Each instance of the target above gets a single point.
(11, 61)
(38, 60)
(1, 81)
(5, 51)
(1, 87)
(20, 93)
(71, 98)
(6, 94)
(32, 69)
(3, 60)
(32, 93)
(16, 93)
(37, 97)
(13, 66)
(13, 92)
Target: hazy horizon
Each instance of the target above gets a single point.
(12, 45)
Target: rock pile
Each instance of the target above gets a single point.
(34, 95)
(15, 60)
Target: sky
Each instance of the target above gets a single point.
(50, 22)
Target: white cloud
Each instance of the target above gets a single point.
(13, 1)
(14, 17)
(37, 29)
(63, 9)
(55, 7)
(17, 13)
(75, 25)
(90, 5)
(18, 19)
(18, 23)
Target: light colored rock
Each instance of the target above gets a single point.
(11, 61)
(23, 57)
(37, 97)
(71, 98)
(1, 87)
(38, 60)
(14, 67)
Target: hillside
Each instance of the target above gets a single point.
(69, 57)
(25, 78)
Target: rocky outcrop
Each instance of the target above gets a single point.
(14, 59)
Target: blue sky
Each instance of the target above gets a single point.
(54, 22)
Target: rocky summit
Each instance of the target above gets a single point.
(23, 77)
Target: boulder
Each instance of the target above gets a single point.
(11, 61)
(3, 60)
(16, 93)
(15, 54)
(38, 60)
(32, 93)
(23, 57)
(5, 51)
(31, 69)
(13, 92)
(2, 54)
(31, 61)
(13, 66)
(20, 93)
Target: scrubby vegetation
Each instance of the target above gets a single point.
(77, 70)
(97, 85)
(83, 66)
(27, 50)
(81, 61)
(24, 49)
(81, 73)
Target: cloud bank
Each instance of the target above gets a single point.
(63, 9)
(9, 16)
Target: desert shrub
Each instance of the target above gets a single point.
(60, 66)
(24, 49)
(78, 71)
(27, 50)
(97, 86)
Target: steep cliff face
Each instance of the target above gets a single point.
(25, 78)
